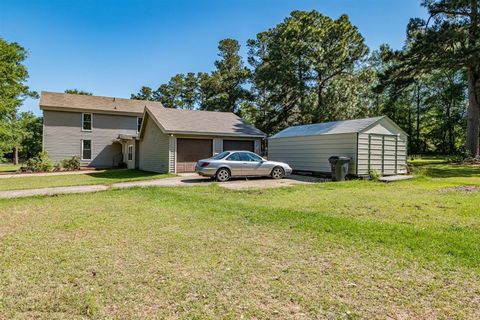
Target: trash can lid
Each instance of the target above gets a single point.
(332, 158)
(344, 158)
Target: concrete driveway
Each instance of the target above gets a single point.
(183, 180)
(192, 179)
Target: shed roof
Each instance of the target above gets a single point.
(60, 101)
(202, 122)
(335, 127)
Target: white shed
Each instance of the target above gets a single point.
(373, 144)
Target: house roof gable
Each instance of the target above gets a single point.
(84, 103)
(179, 121)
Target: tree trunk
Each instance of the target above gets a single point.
(473, 112)
(15, 156)
(418, 119)
(410, 129)
(451, 140)
(321, 114)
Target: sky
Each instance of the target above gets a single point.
(113, 47)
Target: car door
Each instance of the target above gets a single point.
(253, 165)
(235, 164)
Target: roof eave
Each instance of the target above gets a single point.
(312, 135)
(220, 134)
(69, 109)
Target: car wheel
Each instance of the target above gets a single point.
(278, 173)
(222, 175)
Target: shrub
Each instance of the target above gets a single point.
(466, 157)
(57, 166)
(71, 164)
(40, 163)
(373, 174)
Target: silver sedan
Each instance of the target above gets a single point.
(229, 164)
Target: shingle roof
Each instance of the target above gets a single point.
(344, 126)
(202, 122)
(94, 103)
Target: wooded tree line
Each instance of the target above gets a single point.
(311, 68)
(20, 133)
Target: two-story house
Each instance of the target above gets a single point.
(107, 131)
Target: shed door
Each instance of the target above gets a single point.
(189, 151)
(243, 145)
(383, 153)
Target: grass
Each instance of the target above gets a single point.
(8, 167)
(105, 177)
(440, 167)
(348, 250)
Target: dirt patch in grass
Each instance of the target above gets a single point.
(465, 189)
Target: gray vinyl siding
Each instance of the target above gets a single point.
(154, 148)
(311, 153)
(217, 145)
(171, 154)
(63, 135)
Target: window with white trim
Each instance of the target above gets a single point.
(87, 119)
(139, 124)
(86, 149)
(130, 152)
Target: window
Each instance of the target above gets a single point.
(86, 149)
(244, 156)
(221, 155)
(139, 124)
(86, 122)
(248, 156)
(254, 157)
(130, 152)
(234, 157)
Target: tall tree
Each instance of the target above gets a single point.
(429, 104)
(296, 63)
(13, 75)
(32, 128)
(145, 93)
(181, 92)
(223, 89)
(77, 91)
(448, 40)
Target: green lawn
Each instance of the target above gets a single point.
(8, 167)
(105, 177)
(355, 249)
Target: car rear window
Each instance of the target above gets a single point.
(221, 155)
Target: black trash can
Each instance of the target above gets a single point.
(339, 167)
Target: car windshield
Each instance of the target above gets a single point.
(221, 155)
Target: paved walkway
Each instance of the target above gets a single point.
(180, 181)
(44, 174)
(395, 178)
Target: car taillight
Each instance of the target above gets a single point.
(205, 164)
